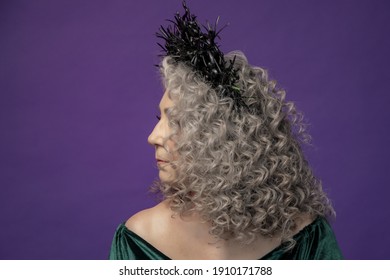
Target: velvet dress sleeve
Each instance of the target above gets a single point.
(126, 245)
(315, 242)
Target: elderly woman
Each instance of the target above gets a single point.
(234, 181)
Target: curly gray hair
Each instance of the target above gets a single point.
(243, 172)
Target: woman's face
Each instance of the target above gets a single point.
(161, 131)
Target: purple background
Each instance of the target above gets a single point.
(78, 98)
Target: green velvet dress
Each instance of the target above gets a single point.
(314, 242)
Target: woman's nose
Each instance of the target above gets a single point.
(155, 137)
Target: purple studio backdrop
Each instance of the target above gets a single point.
(79, 94)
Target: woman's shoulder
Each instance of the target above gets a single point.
(150, 222)
(171, 234)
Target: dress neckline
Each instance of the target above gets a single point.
(306, 230)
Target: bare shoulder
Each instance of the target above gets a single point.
(147, 222)
(302, 221)
(139, 222)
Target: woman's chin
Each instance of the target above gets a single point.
(165, 176)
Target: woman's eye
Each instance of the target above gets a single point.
(158, 117)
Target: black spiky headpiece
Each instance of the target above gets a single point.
(186, 42)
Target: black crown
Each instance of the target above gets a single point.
(186, 42)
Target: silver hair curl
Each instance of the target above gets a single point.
(243, 172)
